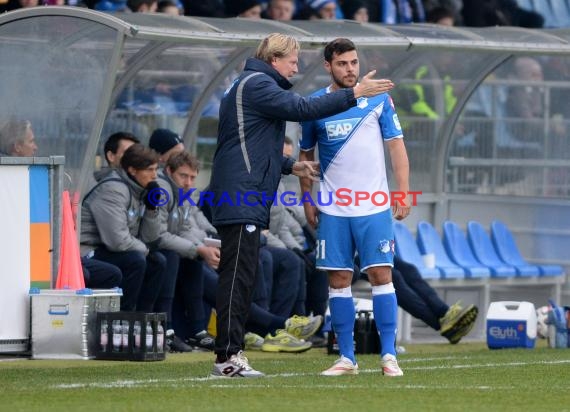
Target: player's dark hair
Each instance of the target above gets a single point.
(338, 46)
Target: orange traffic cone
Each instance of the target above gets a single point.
(70, 272)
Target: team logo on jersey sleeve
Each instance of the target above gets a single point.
(340, 129)
(362, 102)
(396, 121)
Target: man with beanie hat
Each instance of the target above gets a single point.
(243, 8)
(326, 9)
(166, 143)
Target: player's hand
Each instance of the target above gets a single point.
(308, 169)
(368, 86)
(211, 255)
(312, 214)
(401, 208)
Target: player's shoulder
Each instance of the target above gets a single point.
(319, 92)
(382, 98)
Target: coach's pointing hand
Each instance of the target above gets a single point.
(368, 86)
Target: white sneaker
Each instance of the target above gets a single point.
(342, 366)
(237, 366)
(390, 366)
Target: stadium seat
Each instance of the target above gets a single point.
(430, 242)
(407, 249)
(483, 249)
(544, 8)
(525, 4)
(545, 270)
(508, 251)
(459, 251)
(561, 9)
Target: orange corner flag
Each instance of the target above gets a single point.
(70, 272)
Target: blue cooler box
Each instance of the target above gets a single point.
(511, 325)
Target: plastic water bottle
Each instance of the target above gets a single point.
(125, 335)
(160, 338)
(117, 336)
(104, 338)
(148, 336)
(137, 336)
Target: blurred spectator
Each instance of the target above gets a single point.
(250, 9)
(280, 10)
(17, 138)
(396, 11)
(482, 13)
(171, 7)
(204, 8)
(142, 6)
(525, 101)
(441, 15)
(355, 10)
(325, 9)
(17, 4)
(112, 5)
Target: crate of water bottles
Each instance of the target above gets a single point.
(135, 336)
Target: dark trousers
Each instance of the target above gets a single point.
(100, 275)
(259, 319)
(415, 295)
(317, 289)
(261, 294)
(142, 276)
(287, 286)
(166, 294)
(237, 271)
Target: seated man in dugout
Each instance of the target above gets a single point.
(120, 224)
(17, 138)
(180, 232)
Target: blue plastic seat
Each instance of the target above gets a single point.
(525, 4)
(459, 251)
(407, 249)
(508, 251)
(430, 242)
(483, 249)
(561, 9)
(544, 8)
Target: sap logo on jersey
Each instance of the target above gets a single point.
(340, 129)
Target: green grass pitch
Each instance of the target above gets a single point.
(438, 377)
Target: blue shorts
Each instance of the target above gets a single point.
(339, 237)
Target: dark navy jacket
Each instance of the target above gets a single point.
(249, 157)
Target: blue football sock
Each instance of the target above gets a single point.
(342, 318)
(385, 308)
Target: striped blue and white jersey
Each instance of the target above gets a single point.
(351, 153)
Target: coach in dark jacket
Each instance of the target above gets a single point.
(247, 167)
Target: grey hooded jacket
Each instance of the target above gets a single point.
(177, 229)
(113, 215)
